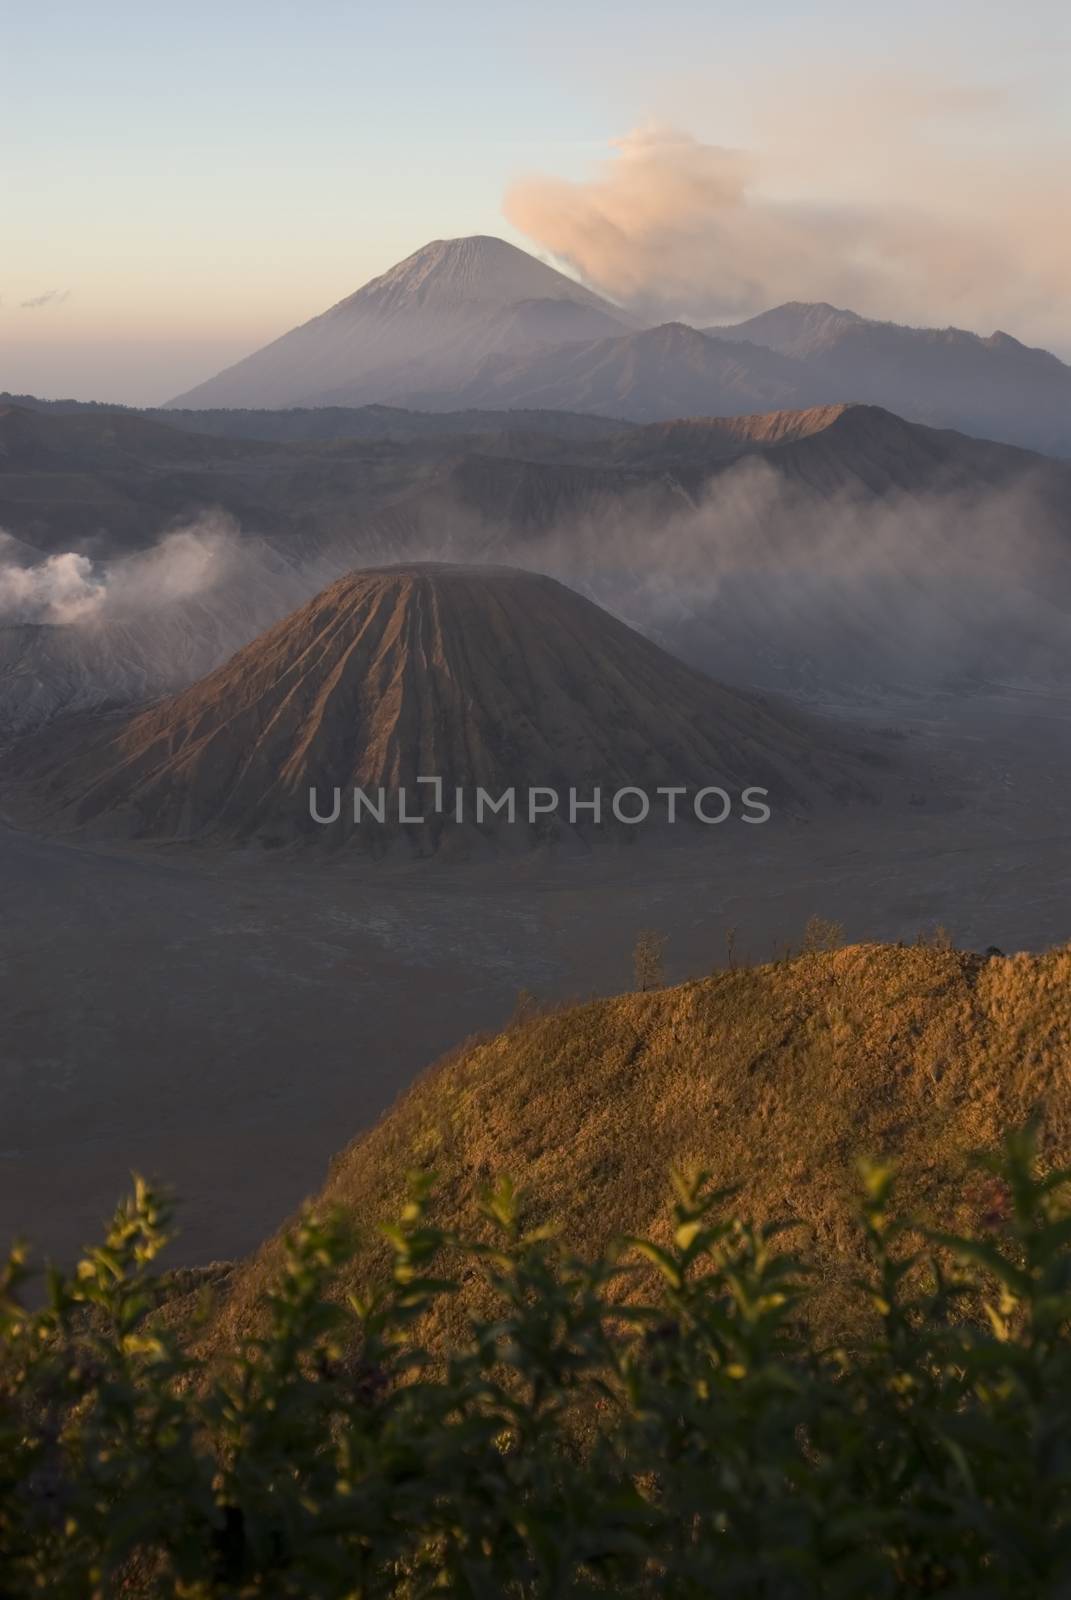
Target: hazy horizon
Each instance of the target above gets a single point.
(153, 240)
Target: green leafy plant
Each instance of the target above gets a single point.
(659, 1421)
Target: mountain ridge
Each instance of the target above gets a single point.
(988, 385)
(668, 371)
(476, 322)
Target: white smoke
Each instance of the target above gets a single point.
(763, 582)
(60, 589)
(70, 588)
(122, 631)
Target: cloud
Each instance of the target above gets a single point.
(62, 588)
(70, 588)
(888, 195)
(51, 297)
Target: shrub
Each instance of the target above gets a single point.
(648, 959)
(822, 935)
(656, 1422)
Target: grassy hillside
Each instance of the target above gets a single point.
(776, 1077)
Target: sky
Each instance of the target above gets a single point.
(179, 185)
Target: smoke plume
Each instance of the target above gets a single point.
(960, 231)
(70, 588)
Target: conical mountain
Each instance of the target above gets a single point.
(483, 677)
(480, 269)
(428, 320)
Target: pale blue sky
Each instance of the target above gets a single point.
(196, 179)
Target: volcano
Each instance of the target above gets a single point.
(484, 677)
(424, 323)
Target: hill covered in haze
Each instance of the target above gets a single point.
(303, 424)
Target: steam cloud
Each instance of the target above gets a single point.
(675, 227)
(761, 583)
(71, 588)
(119, 632)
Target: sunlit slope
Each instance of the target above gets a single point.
(776, 1078)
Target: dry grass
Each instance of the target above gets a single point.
(777, 1078)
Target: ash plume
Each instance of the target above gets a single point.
(676, 227)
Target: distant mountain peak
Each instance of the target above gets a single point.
(478, 269)
(437, 313)
(796, 328)
(673, 335)
(815, 308)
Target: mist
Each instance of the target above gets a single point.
(840, 598)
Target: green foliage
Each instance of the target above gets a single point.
(657, 1422)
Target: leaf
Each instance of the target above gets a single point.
(988, 1256)
(662, 1259)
